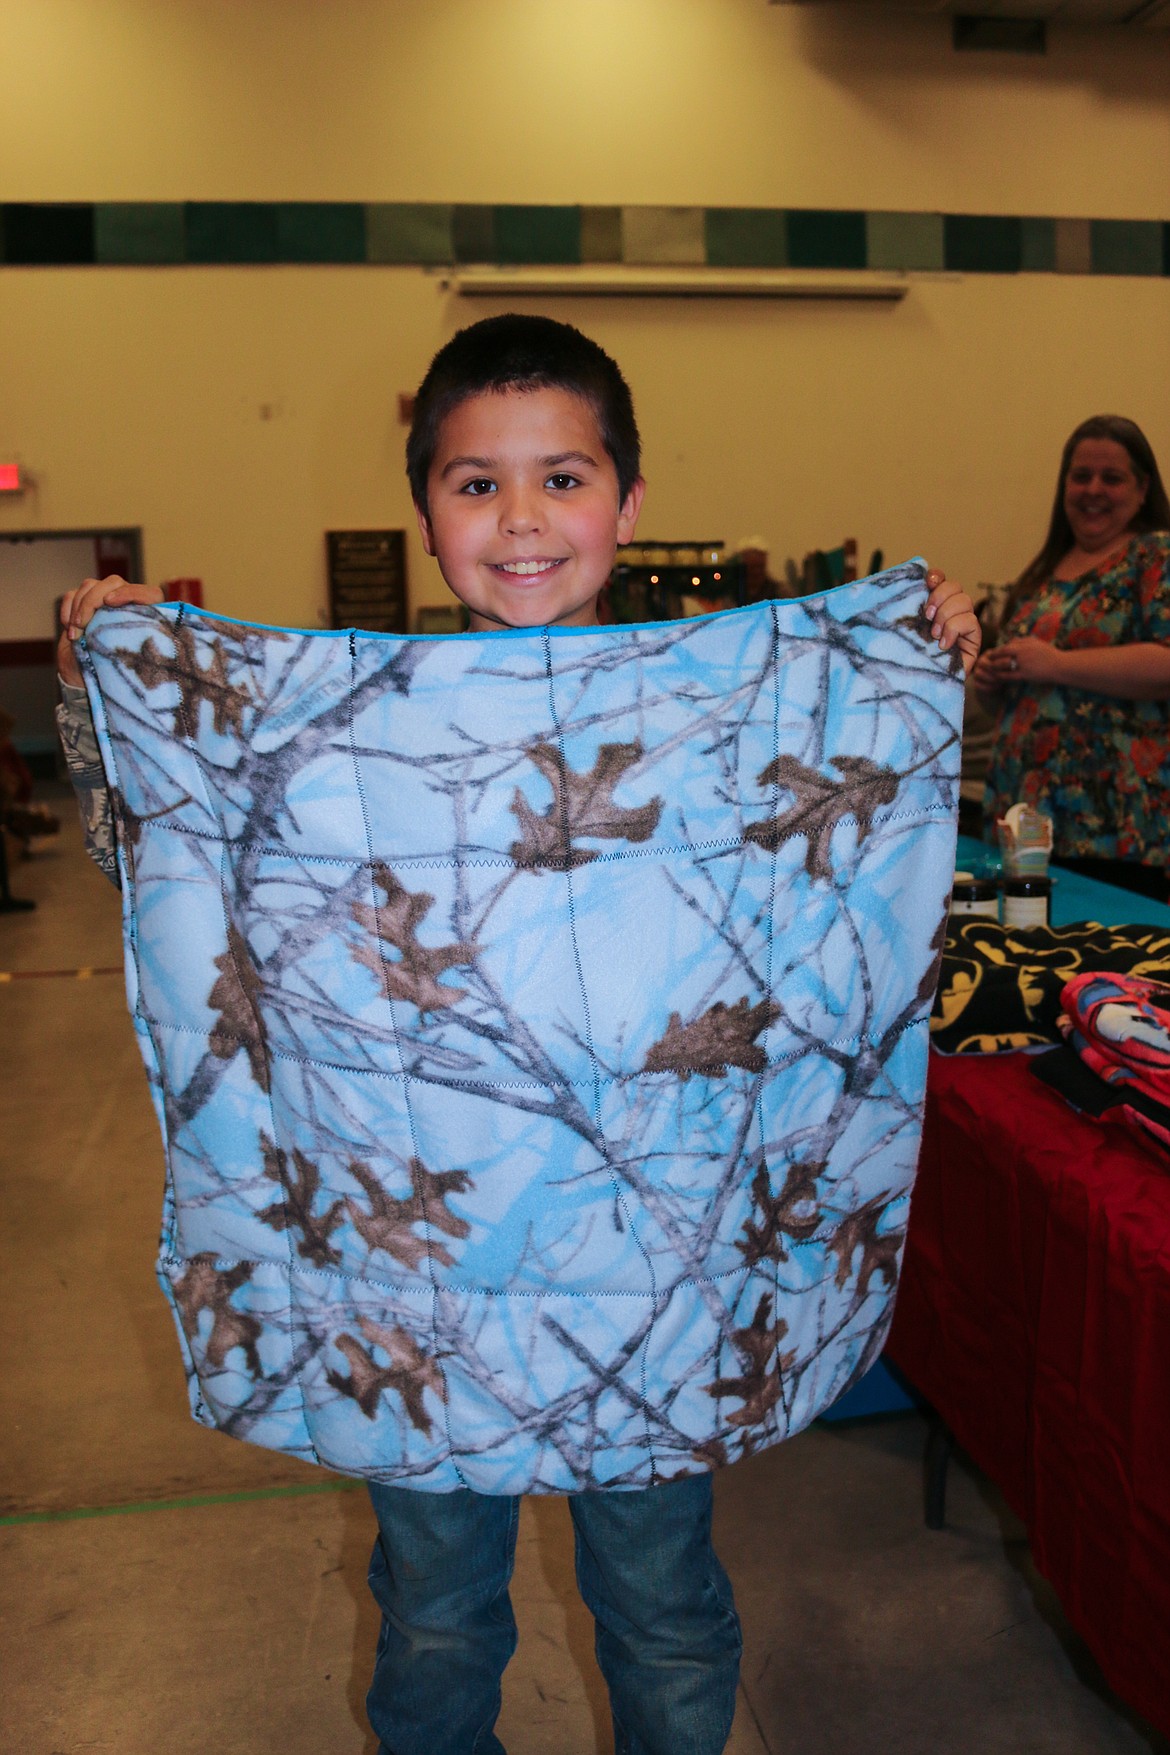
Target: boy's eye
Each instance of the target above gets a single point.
(480, 484)
(562, 480)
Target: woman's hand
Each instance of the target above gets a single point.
(77, 611)
(954, 618)
(1023, 660)
(986, 676)
(1135, 671)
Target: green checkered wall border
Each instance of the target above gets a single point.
(438, 234)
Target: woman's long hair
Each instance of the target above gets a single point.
(1154, 513)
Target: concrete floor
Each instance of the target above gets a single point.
(166, 1589)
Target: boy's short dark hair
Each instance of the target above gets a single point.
(517, 352)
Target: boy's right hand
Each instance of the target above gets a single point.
(77, 611)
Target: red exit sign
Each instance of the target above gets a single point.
(10, 482)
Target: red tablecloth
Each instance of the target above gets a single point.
(1034, 1315)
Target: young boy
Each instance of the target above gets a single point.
(524, 466)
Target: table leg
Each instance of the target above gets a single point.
(936, 1456)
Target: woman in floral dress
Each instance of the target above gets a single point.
(1081, 675)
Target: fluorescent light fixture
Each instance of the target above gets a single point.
(676, 283)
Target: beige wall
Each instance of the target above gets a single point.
(238, 413)
(707, 101)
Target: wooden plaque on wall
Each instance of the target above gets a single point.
(367, 580)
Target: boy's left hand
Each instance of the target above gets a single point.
(954, 618)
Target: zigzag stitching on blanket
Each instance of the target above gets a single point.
(416, 1158)
(583, 989)
(226, 898)
(423, 861)
(769, 991)
(226, 1262)
(377, 1072)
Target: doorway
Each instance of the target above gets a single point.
(37, 568)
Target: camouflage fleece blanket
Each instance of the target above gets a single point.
(537, 1022)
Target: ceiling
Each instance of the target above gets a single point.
(1146, 14)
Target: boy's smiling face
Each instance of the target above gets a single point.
(523, 509)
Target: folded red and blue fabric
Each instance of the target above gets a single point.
(1119, 1025)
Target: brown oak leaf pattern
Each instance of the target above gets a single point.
(714, 1453)
(821, 803)
(206, 1287)
(722, 1036)
(794, 1212)
(759, 1386)
(409, 1373)
(387, 1224)
(933, 970)
(879, 1254)
(295, 1212)
(583, 804)
(226, 699)
(413, 975)
(236, 997)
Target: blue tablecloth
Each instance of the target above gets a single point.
(1075, 897)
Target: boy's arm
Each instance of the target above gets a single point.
(953, 617)
(83, 760)
(75, 721)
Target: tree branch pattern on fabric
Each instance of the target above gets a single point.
(537, 1022)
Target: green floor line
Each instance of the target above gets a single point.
(68, 1516)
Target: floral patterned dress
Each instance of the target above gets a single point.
(1100, 767)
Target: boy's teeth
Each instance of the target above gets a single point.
(525, 566)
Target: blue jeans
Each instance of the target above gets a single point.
(667, 1634)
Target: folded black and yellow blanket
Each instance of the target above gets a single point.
(1000, 986)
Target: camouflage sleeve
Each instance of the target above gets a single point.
(82, 758)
